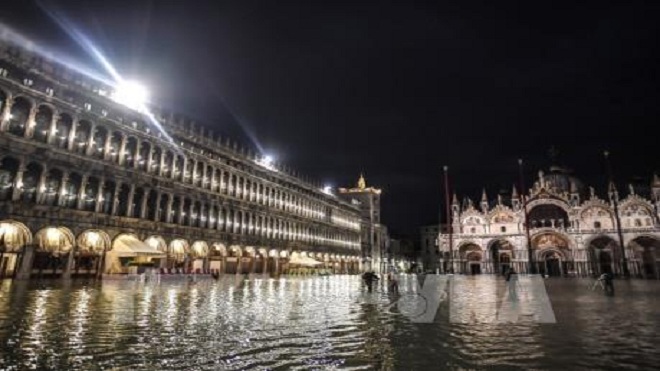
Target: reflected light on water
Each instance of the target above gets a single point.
(315, 323)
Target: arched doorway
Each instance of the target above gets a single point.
(235, 254)
(646, 251)
(551, 254)
(14, 236)
(178, 253)
(470, 257)
(158, 243)
(602, 253)
(499, 254)
(217, 258)
(91, 246)
(198, 253)
(53, 247)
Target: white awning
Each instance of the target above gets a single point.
(131, 246)
(304, 261)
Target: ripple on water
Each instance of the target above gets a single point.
(313, 323)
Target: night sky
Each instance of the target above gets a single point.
(394, 90)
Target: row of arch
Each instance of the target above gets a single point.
(43, 123)
(592, 217)
(33, 183)
(58, 244)
(553, 254)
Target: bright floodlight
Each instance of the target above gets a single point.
(131, 94)
(268, 160)
(327, 190)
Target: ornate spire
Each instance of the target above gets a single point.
(656, 180)
(631, 189)
(484, 197)
(514, 192)
(455, 200)
(499, 199)
(362, 184)
(574, 188)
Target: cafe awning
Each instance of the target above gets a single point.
(127, 245)
(304, 261)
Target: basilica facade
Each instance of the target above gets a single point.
(560, 228)
(89, 186)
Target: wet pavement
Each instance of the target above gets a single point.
(325, 323)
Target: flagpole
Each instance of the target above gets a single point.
(615, 200)
(531, 267)
(449, 220)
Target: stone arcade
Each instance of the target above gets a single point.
(88, 186)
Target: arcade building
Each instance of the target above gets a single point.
(571, 231)
(91, 186)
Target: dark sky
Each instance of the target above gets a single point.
(394, 89)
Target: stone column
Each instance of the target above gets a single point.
(61, 197)
(30, 124)
(72, 135)
(143, 204)
(81, 191)
(25, 267)
(149, 160)
(41, 184)
(179, 215)
(131, 194)
(106, 145)
(6, 111)
(202, 218)
(121, 155)
(158, 211)
(136, 155)
(99, 196)
(161, 166)
(90, 141)
(66, 274)
(115, 199)
(18, 182)
(52, 128)
(168, 212)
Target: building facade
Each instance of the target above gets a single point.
(428, 243)
(375, 238)
(570, 230)
(90, 186)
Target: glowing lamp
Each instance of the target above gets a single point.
(131, 94)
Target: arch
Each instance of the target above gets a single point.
(646, 252)
(157, 242)
(14, 236)
(602, 251)
(54, 240)
(114, 146)
(199, 249)
(30, 182)
(93, 242)
(179, 249)
(8, 170)
(99, 138)
(19, 115)
(71, 189)
(82, 136)
(42, 120)
(548, 215)
(500, 251)
(52, 186)
(63, 127)
(219, 249)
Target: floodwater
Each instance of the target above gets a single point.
(320, 323)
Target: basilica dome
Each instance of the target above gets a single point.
(561, 180)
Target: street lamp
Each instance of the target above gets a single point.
(615, 200)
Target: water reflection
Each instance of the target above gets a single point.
(318, 323)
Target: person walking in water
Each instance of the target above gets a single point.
(512, 281)
(393, 283)
(369, 278)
